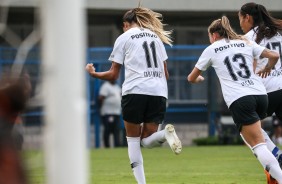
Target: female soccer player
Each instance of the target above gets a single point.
(262, 28)
(232, 58)
(144, 92)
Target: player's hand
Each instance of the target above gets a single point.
(90, 68)
(264, 72)
(200, 79)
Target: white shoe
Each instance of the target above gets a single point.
(172, 139)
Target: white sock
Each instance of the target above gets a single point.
(270, 145)
(268, 161)
(136, 159)
(154, 140)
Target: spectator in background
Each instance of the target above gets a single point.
(277, 130)
(110, 101)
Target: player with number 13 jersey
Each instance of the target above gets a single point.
(232, 56)
(233, 64)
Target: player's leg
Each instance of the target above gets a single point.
(150, 137)
(247, 112)
(134, 151)
(153, 138)
(270, 146)
(278, 113)
(253, 136)
(274, 105)
(154, 116)
(133, 107)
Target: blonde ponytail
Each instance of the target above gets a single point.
(149, 19)
(223, 28)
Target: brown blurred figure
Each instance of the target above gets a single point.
(14, 93)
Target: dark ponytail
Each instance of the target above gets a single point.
(267, 25)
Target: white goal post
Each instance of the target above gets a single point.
(64, 92)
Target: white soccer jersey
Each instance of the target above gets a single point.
(143, 54)
(274, 81)
(233, 64)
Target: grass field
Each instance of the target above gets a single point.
(195, 165)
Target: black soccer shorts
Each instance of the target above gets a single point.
(138, 108)
(249, 109)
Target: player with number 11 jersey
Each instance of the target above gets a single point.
(140, 49)
(143, 55)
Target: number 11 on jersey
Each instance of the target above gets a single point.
(153, 51)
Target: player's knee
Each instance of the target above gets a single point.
(146, 144)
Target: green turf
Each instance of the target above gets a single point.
(195, 165)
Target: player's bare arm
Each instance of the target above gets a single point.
(255, 65)
(195, 76)
(166, 71)
(111, 74)
(272, 60)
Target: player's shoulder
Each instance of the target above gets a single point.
(130, 32)
(218, 44)
(276, 38)
(124, 36)
(251, 35)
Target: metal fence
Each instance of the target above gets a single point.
(187, 103)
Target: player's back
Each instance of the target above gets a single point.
(144, 63)
(233, 63)
(272, 82)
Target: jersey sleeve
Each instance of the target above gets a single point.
(204, 61)
(257, 49)
(118, 52)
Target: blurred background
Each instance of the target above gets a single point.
(198, 111)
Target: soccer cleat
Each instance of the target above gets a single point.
(172, 139)
(269, 178)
